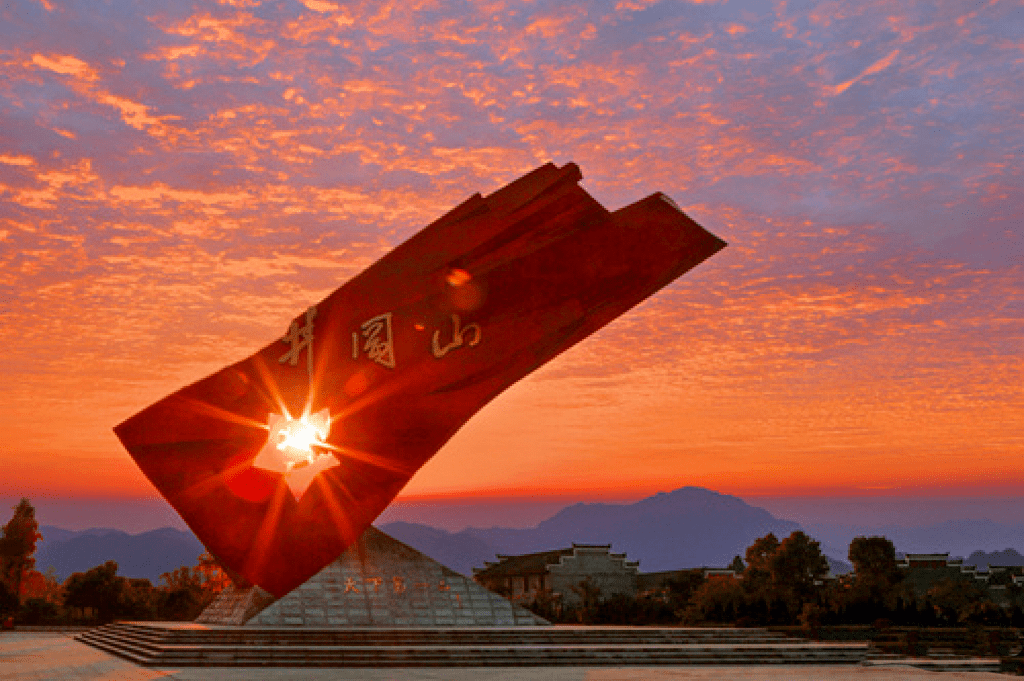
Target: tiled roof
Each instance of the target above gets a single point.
(524, 564)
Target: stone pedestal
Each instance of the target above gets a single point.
(377, 582)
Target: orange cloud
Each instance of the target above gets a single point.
(66, 65)
(878, 66)
(17, 160)
(176, 187)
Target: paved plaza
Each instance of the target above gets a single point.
(30, 656)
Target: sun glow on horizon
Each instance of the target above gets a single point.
(179, 184)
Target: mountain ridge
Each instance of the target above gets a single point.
(144, 555)
(687, 527)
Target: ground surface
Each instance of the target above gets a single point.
(52, 655)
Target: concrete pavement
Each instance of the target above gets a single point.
(31, 656)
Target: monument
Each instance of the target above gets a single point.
(280, 462)
(376, 582)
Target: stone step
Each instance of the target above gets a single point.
(968, 664)
(156, 645)
(142, 644)
(476, 657)
(554, 635)
(144, 641)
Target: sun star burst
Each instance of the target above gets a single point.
(295, 449)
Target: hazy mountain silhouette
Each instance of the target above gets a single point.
(148, 555)
(51, 534)
(957, 537)
(459, 551)
(690, 527)
(1005, 557)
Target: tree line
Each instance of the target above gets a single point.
(780, 583)
(787, 583)
(97, 595)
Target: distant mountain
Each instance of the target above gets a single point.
(51, 534)
(148, 554)
(958, 537)
(1005, 557)
(459, 551)
(837, 567)
(690, 527)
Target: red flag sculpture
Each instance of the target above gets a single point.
(279, 462)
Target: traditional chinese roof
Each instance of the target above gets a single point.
(528, 563)
(915, 557)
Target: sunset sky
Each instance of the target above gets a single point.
(179, 180)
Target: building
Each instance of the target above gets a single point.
(560, 573)
(1006, 584)
(658, 583)
(922, 571)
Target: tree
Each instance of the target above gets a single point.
(720, 599)
(44, 586)
(35, 611)
(737, 565)
(781, 577)
(757, 575)
(874, 563)
(17, 545)
(8, 601)
(187, 591)
(110, 595)
(139, 600)
(590, 596)
(759, 554)
(213, 577)
(798, 566)
(682, 587)
(183, 596)
(872, 591)
(955, 600)
(546, 604)
(99, 588)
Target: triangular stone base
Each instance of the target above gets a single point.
(376, 582)
(236, 606)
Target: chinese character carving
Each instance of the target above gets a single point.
(376, 581)
(399, 584)
(443, 586)
(377, 341)
(350, 585)
(299, 338)
(459, 337)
